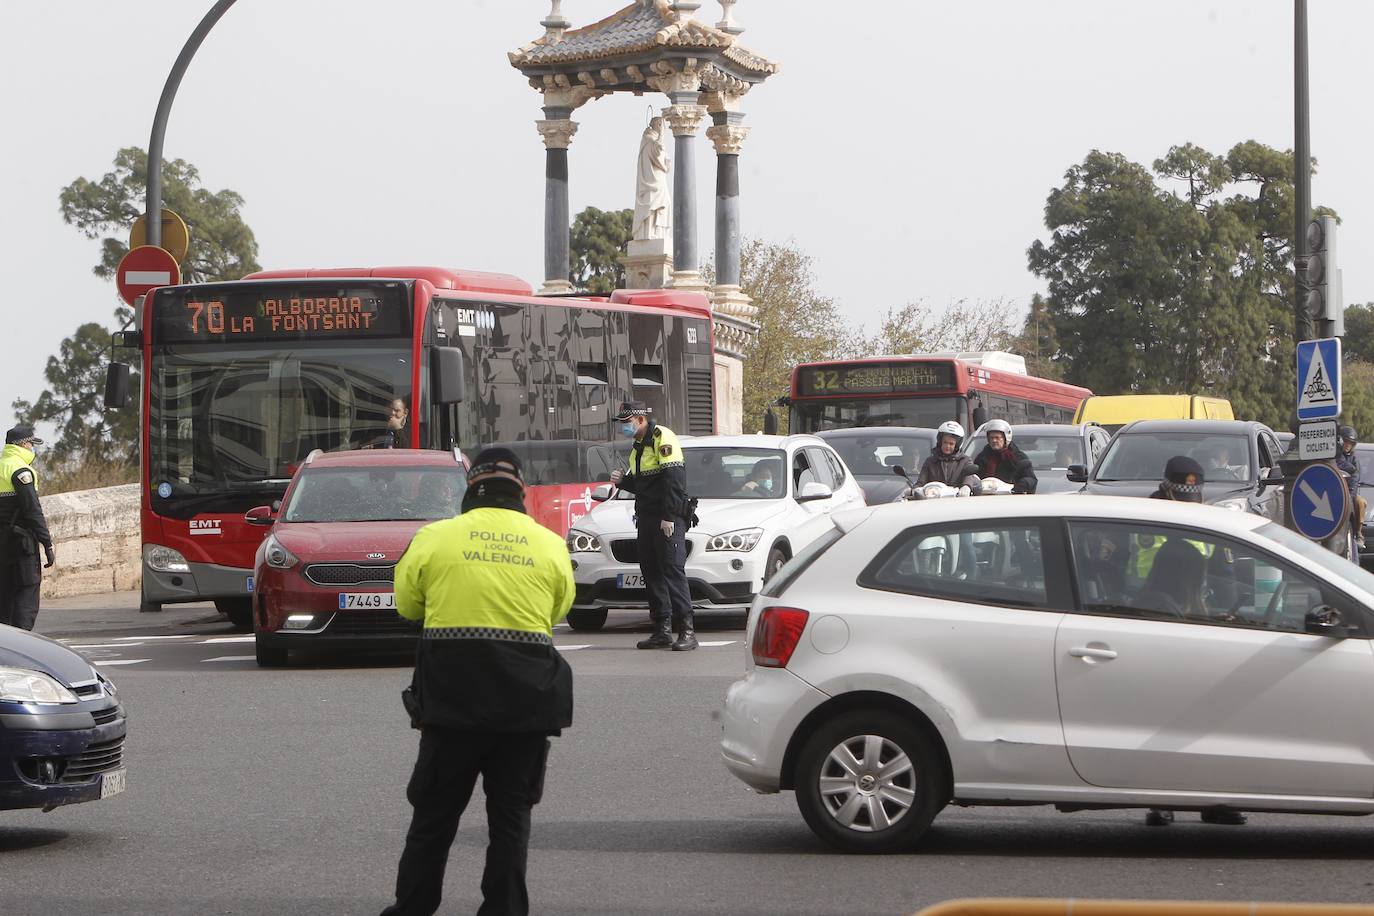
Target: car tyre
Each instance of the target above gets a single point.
(870, 782)
(270, 656)
(587, 619)
(238, 610)
(777, 558)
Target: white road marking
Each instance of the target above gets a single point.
(724, 642)
(122, 661)
(571, 648)
(220, 639)
(232, 658)
(183, 636)
(103, 645)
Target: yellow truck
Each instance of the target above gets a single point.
(1115, 411)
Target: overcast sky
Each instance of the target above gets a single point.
(907, 146)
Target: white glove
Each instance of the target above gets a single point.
(616, 476)
(964, 490)
(666, 528)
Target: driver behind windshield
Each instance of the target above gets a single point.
(761, 481)
(1219, 460)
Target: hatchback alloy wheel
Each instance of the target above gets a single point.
(867, 783)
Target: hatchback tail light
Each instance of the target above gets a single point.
(776, 636)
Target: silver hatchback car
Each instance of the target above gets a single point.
(1076, 651)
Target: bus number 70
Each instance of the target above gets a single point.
(214, 316)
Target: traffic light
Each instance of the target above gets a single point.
(1322, 278)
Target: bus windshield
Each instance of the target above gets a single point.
(230, 420)
(810, 416)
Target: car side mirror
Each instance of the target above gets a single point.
(259, 515)
(601, 493)
(1272, 478)
(812, 491)
(1078, 473)
(1324, 620)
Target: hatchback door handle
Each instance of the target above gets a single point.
(1090, 652)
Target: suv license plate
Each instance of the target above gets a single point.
(113, 783)
(629, 580)
(385, 601)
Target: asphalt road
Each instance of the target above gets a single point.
(282, 791)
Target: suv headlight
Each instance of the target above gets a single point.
(164, 559)
(1238, 505)
(22, 685)
(744, 539)
(583, 542)
(276, 554)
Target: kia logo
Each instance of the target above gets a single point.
(376, 556)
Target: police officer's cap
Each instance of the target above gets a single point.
(496, 463)
(1178, 473)
(22, 434)
(631, 409)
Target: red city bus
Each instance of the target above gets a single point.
(926, 390)
(242, 380)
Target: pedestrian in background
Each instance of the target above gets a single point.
(489, 686)
(23, 530)
(1348, 463)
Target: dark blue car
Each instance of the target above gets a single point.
(61, 726)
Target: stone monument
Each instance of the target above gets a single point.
(647, 263)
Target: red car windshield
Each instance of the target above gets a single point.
(376, 494)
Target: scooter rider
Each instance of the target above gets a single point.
(946, 464)
(1002, 459)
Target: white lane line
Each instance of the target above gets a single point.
(183, 636)
(104, 645)
(220, 639)
(122, 661)
(724, 642)
(572, 648)
(232, 658)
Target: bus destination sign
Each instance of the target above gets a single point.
(280, 313)
(876, 378)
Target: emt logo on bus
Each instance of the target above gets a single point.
(203, 526)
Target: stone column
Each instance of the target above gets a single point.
(685, 116)
(557, 129)
(727, 134)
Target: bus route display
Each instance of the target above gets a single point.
(294, 313)
(876, 378)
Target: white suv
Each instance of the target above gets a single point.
(747, 531)
(1080, 651)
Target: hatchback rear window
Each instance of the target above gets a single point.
(794, 567)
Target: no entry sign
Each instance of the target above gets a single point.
(145, 268)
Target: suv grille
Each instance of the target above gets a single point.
(348, 573)
(371, 623)
(627, 550)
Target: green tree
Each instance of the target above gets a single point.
(1357, 396)
(74, 402)
(962, 326)
(222, 246)
(1359, 332)
(1181, 288)
(1038, 342)
(796, 323)
(598, 238)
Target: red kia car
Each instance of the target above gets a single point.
(323, 575)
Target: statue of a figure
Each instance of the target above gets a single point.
(653, 199)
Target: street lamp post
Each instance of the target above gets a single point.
(153, 204)
(1302, 172)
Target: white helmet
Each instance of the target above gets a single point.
(999, 426)
(950, 428)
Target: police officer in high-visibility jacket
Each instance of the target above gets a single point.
(23, 530)
(658, 479)
(489, 585)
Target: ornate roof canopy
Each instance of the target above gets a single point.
(656, 45)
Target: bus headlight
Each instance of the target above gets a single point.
(164, 559)
(745, 539)
(582, 542)
(276, 555)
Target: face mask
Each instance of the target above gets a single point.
(766, 486)
(627, 430)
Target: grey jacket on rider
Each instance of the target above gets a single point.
(955, 470)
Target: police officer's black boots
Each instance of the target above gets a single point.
(686, 635)
(661, 638)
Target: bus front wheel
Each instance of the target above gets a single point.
(238, 610)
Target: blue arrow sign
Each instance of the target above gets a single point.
(1319, 379)
(1319, 501)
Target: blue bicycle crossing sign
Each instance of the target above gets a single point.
(1319, 379)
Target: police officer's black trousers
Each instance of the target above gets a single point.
(663, 563)
(512, 770)
(20, 582)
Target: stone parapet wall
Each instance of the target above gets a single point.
(96, 533)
